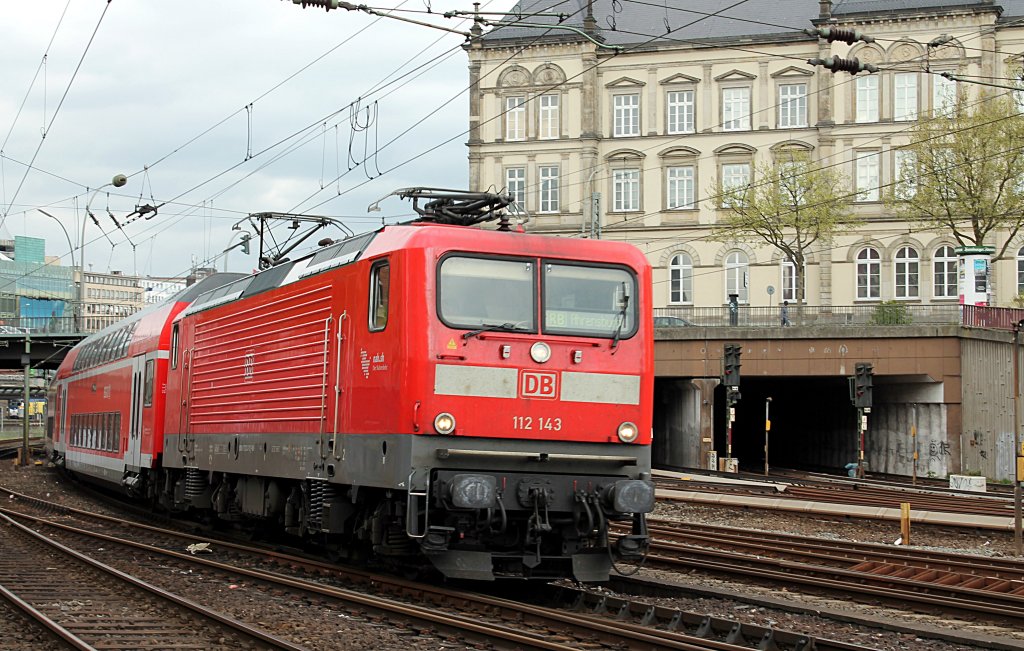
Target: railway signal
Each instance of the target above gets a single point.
(731, 365)
(861, 385)
(731, 382)
(860, 396)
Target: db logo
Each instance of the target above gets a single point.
(538, 384)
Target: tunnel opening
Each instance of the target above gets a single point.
(813, 425)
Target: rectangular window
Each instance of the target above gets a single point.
(867, 99)
(736, 109)
(549, 120)
(904, 96)
(792, 175)
(590, 301)
(680, 111)
(476, 292)
(788, 281)
(867, 177)
(380, 295)
(147, 400)
(549, 189)
(792, 105)
(626, 190)
(943, 94)
(735, 177)
(515, 118)
(904, 174)
(680, 188)
(515, 184)
(174, 346)
(627, 115)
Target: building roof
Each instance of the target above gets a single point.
(631, 22)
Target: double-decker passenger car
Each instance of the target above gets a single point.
(481, 398)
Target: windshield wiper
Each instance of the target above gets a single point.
(622, 318)
(487, 327)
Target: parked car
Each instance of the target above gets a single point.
(671, 322)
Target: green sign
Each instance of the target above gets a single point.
(975, 250)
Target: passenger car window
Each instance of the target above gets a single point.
(380, 293)
(174, 346)
(148, 395)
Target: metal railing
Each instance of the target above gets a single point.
(879, 314)
(747, 316)
(39, 325)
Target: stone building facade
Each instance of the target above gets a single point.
(630, 144)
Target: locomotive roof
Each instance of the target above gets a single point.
(416, 235)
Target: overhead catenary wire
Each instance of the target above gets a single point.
(49, 125)
(24, 100)
(457, 136)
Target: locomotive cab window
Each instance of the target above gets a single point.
(589, 300)
(380, 295)
(491, 293)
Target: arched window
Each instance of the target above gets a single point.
(944, 266)
(680, 271)
(737, 269)
(907, 270)
(869, 274)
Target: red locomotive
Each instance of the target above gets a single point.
(482, 398)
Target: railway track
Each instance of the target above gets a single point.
(478, 619)
(855, 493)
(10, 447)
(929, 579)
(119, 611)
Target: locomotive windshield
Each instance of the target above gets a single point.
(488, 292)
(590, 301)
(500, 294)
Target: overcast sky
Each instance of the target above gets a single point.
(160, 95)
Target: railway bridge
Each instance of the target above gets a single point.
(943, 388)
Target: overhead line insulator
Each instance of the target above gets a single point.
(839, 64)
(326, 4)
(832, 34)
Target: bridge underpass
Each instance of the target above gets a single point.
(813, 424)
(917, 380)
(23, 352)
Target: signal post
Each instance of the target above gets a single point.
(731, 382)
(860, 395)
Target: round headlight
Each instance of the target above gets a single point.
(628, 432)
(444, 423)
(540, 352)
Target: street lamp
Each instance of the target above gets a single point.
(118, 181)
(61, 224)
(71, 247)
